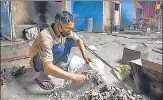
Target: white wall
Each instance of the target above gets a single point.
(19, 10)
(109, 13)
(116, 18)
(25, 12)
(68, 6)
(106, 14)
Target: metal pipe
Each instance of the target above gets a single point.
(98, 56)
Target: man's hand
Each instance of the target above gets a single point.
(78, 78)
(53, 70)
(85, 57)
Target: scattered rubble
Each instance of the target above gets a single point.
(14, 71)
(2, 38)
(92, 89)
(111, 93)
(31, 33)
(92, 47)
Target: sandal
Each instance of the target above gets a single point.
(43, 86)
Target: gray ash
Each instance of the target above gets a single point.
(110, 93)
(92, 89)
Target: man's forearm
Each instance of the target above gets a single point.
(57, 72)
(81, 47)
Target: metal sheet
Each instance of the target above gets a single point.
(5, 20)
(148, 8)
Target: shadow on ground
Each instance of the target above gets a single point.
(26, 81)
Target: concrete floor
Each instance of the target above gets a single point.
(24, 88)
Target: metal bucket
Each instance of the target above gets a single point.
(88, 24)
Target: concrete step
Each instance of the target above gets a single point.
(132, 32)
(16, 63)
(14, 50)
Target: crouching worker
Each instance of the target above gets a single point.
(51, 49)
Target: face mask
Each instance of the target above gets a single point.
(64, 33)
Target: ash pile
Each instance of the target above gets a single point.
(73, 91)
(103, 92)
(94, 88)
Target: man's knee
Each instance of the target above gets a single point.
(58, 49)
(38, 64)
(71, 42)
